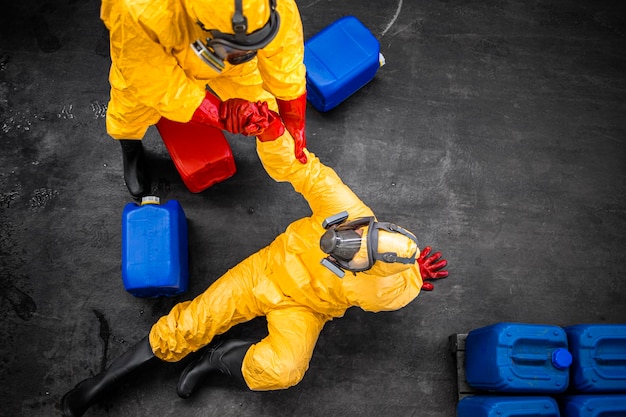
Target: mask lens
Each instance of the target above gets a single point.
(232, 55)
(240, 57)
(347, 245)
(341, 245)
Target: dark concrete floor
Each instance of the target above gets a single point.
(496, 132)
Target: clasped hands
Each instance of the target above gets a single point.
(243, 117)
(250, 119)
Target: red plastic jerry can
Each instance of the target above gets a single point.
(200, 153)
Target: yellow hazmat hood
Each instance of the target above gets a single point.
(217, 14)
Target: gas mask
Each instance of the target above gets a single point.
(240, 47)
(357, 245)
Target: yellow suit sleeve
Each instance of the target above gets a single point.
(281, 63)
(319, 184)
(144, 65)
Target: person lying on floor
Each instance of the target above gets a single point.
(339, 257)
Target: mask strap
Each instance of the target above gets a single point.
(239, 22)
(390, 257)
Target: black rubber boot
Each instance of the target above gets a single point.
(76, 402)
(225, 357)
(135, 172)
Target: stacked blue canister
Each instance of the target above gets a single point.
(518, 358)
(545, 370)
(507, 406)
(598, 372)
(599, 357)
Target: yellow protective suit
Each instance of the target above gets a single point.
(286, 283)
(154, 71)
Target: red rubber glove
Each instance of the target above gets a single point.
(275, 128)
(234, 115)
(293, 113)
(431, 267)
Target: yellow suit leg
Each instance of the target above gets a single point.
(126, 118)
(281, 359)
(192, 325)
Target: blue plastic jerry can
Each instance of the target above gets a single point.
(518, 358)
(507, 406)
(593, 405)
(154, 248)
(339, 60)
(599, 357)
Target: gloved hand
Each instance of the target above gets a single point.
(293, 113)
(275, 128)
(234, 115)
(431, 267)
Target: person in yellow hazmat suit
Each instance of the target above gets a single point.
(339, 257)
(218, 62)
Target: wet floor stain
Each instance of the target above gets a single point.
(41, 198)
(99, 109)
(23, 305)
(17, 121)
(4, 61)
(67, 112)
(8, 197)
(105, 334)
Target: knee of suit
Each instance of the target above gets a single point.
(263, 374)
